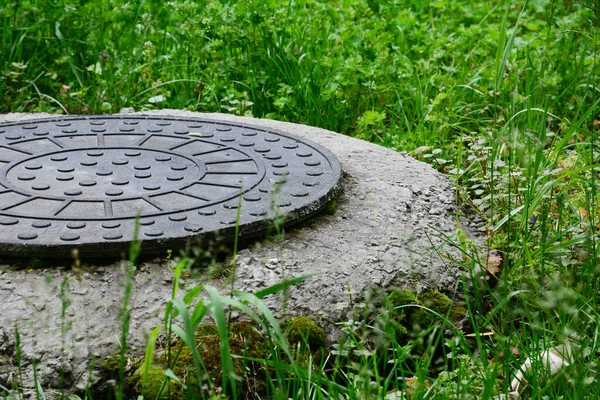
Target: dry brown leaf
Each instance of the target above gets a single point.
(515, 351)
(414, 385)
(493, 263)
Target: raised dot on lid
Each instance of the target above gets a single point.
(252, 197)
(8, 221)
(195, 126)
(223, 129)
(27, 236)
(177, 218)
(104, 172)
(126, 129)
(33, 166)
(207, 212)
(111, 225)
(41, 224)
(249, 134)
(29, 127)
(97, 122)
(314, 173)
(258, 212)
(272, 139)
(181, 132)
(131, 122)
(133, 153)
(112, 236)
(281, 164)
(41, 133)
(231, 206)
(175, 177)
(66, 169)
(87, 182)
(284, 172)
(246, 144)
(120, 182)
(312, 163)
(59, 157)
(142, 175)
(272, 157)
(227, 139)
(69, 237)
(163, 123)
(299, 193)
(162, 158)
(179, 167)
(40, 186)
(76, 225)
(120, 161)
(154, 130)
(89, 163)
(290, 146)
(151, 187)
(192, 228)
(95, 153)
(262, 150)
(13, 137)
(98, 130)
(310, 182)
(154, 233)
(304, 154)
(113, 192)
(141, 167)
(146, 222)
(63, 124)
(26, 177)
(284, 203)
(69, 130)
(72, 192)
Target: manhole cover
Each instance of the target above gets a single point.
(80, 182)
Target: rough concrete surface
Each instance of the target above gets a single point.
(383, 234)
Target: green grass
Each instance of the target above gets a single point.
(502, 96)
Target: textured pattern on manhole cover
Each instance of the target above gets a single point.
(80, 182)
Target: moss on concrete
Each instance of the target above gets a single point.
(331, 207)
(154, 382)
(305, 331)
(244, 341)
(398, 298)
(111, 364)
(434, 301)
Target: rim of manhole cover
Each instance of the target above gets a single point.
(80, 182)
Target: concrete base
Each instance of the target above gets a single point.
(385, 232)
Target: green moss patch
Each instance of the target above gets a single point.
(305, 331)
(156, 386)
(399, 302)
